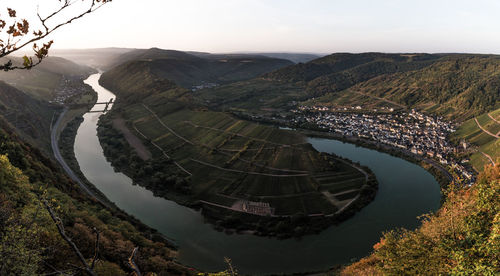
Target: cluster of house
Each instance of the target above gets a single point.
(67, 88)
(410, 131)
(203, 86)
(258, 208)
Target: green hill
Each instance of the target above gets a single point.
(220, 162)
(188, 70)
(43, 80)
(458, 87)
(299, 82)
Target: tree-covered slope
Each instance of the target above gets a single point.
(31, 243)
(188, 70)
(318, 77)
(457, 86)
(31, 117)
(462, 238)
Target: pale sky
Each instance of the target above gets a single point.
(319, 26)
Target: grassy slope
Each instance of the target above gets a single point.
(485, 143)
(462, 238)
(258, 95)
(218, 139)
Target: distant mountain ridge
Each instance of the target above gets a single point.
(42, 80)
(96, 58)
(457, 86)
(188, 70)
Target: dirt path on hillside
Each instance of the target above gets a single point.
(133, 141)
(489, 157)
(485, 130)
(493, 118)
(382, 99)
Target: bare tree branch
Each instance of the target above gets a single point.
(96, 248)
(232, 271)
(60, 228)
(21, 30)
(132, 264)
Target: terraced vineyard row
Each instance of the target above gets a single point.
(233, 160)
(487, 145)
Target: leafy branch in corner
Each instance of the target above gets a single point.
(17, 34)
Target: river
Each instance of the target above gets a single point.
(405, 192)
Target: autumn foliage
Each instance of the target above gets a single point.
(462, 238)
(17, 33)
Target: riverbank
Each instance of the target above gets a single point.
(441, 174)
(144, 172)
(406, 191)
(443, 177)
(65, 132)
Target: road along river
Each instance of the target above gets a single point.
(405, 192)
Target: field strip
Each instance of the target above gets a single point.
(332, 199)
(254, 173)
(236, 150)
(382, 99)
(237, 134)
(356, 167)
(485, 130)
(489, 157)
(347, 205)
(286, 195)
(493, 118)
(346, 192)
(132, 140)
(163, 124)
(270, 168)
(164, 153)
(191, 143)
(253, 163)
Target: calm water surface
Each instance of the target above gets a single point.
(405, 192)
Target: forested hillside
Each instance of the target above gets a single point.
(31, 117)
(188, 70)
(318, 77)
(31, 243)
(458, 87)
(462, 238)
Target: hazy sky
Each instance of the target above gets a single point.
(322, 26)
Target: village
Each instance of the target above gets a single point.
(69, 86)
(412, 132)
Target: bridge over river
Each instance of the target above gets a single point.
(94, 105)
